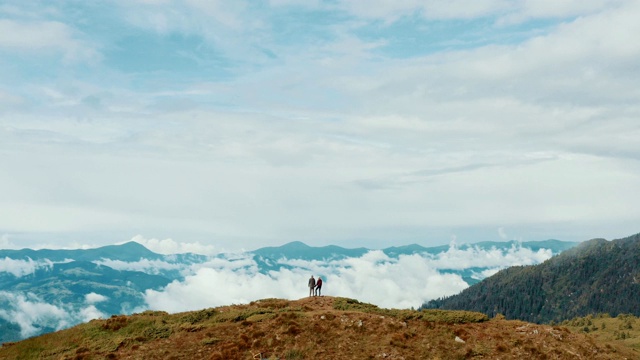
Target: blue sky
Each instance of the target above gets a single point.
(243, 124)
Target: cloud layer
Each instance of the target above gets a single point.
(34, 315)
(242, 124)
(20, 268)
(170, 246)
(390, 282)
(404, 282)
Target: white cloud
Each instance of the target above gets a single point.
(234, 28)
(144, 265)
(456, 258)
(44, 35)
(533, 9)
(405, 282)
(502, 233)
(21, 268)
(5, 242)
(93, 298)
(8, 100)
(341, 140)
(301, 3)
(31, 313)
(33, 36)
(90, 313)
(392, 10)
(170, 246)
(507, 12)
(485, 273)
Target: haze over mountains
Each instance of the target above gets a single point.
(46, 290)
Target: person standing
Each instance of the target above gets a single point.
(319, 286)
(312, 285)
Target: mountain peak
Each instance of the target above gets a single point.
(133, 245)
(300, 250)
(129, 251)
(296, 245)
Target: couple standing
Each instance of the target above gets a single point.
(315, 287)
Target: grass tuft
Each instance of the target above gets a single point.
(435, 315)
(200, 316)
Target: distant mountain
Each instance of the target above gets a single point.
(597, 276)
(299, 250)
(10, 331)
(131, 251)
(127, 252)
(69, 282)
(302, 251)
(61, 281)
(556, 246)
(271, 258)
(67, 285)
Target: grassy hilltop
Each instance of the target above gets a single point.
(313, 328)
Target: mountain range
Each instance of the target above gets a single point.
(267, 257)
(37, 285)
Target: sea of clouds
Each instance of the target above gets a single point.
(406, 281)
(32, 314)
(402, 282)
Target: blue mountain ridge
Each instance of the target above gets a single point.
(130, 251)
(299, 250)
(133, 251)
(269, 258)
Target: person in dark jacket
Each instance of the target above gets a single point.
(319, 286)
(312, 286)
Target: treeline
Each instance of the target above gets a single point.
(597, 276)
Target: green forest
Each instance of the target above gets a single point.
(597, 276)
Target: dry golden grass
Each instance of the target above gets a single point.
(623, 329)
(313, 328)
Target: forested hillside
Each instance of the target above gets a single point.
(597, 276)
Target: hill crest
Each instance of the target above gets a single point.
(315, 327)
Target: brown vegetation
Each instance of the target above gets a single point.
(313, 328)
(623, 329)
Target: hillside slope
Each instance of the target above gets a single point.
(312, 328)
(597, 276)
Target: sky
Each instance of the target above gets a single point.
(236, 125)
